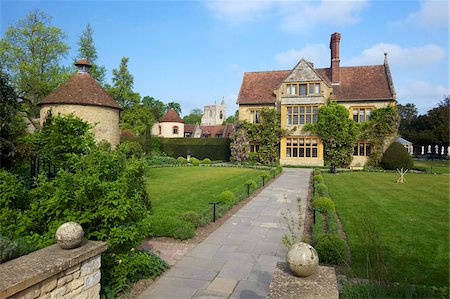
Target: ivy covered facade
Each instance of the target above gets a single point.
(298, 94)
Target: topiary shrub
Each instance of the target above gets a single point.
(323, 204)
(316, 171)
(227, 197)
(192, 217)
(195, 161)
(182, 160)
(396, 156)
(322, 189)
(206, 161)
(318, 179)
(331, 249)
(169, 226)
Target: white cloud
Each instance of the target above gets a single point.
(304, 16)
(293, 15)
(317, 54)
(399, 56)
(431, 13)
(425, 95)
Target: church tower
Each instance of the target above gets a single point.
(214, 114)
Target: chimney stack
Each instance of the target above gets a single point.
(334, 46)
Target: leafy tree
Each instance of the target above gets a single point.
(157, 107)
(267, 134)
(383, 123)
(12, 125)
(195, 117)
(231, 119)
(174, 106)
(30, 52)
(240, 146)
(122, 88)
(86, 49)
(338, 133)
(137, 118)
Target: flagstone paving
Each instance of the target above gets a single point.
(239, 258)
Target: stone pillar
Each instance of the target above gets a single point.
(53, 272)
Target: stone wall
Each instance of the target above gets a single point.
(53, 272)
(104, 119)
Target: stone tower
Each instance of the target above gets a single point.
(214, 114)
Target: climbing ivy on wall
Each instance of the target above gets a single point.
(383, 123)
(239, 146)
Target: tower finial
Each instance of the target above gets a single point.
(83, 65)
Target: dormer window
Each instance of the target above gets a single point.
(303, 89)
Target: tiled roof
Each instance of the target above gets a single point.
(213, 130)
(189, 128)
(81, 89)
(357, 83)
(171, 116)
(258, 87)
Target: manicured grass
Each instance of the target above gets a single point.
(176, 190)
(412, 221)
(434, 166)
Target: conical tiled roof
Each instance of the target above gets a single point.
(171, 116)
(81, 89)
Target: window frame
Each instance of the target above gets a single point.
(175, 130)
(367, 148)
(254, 147)
(303, 147)
(295, 116)
(254, 116)
(365, 115)
(293, 89)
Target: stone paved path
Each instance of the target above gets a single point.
(239, 258)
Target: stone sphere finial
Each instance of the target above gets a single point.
(302, 259)
(69, 235)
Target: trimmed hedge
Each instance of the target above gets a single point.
(201, 148)
(324, 204)
(396, 156)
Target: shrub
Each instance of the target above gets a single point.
(195, 161)
(161, 160)
(206, 161)
(251, 184)
(227, 197)
(331, 249)
(169, 226)
(322, 189)
(212, 148)
(323, 205)
(127, 133)
(318, 179)
(192, 217)
(131, 149)
(316, 171)
(10, 249)
(395, 157)
(182, 160)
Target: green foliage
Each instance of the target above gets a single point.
(131, 266)
(195, 117)
(30, 52)
(212, 148)
(228, 197)
(396, 156)
(87, 50)
(61, 137)
(194, 161)
(382, 124)
(169, 226)
(173, 105)
(131, 149)
(122, 88)
(137, 117)
(267, 134)
(394, 291)
(338, 133)
(321, 189)
(318, 179)
(239, 145)
(161, 160)
(251, 183)
(331, 249)
(206, 161)
(182, 160)
(10, 249)
(192, 217)
(317, 171)
(324, 205)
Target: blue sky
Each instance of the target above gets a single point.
(195, 52)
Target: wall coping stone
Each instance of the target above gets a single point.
(28, 270)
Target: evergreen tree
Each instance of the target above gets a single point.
(86, 49)
(122, 88)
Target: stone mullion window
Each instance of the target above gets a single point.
(302, 147)
(302, 114)
(361, 149)
(361, 114)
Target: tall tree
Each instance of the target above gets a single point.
(122, 88)
(86, 49)
(175, 106)
(157, 107)
(30, 52)
(195, 117)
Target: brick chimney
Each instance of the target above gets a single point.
(334, 46)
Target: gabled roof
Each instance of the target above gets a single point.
(171, 116)
(258, 87)
(357, 83)
(189, 128)
(81, 89)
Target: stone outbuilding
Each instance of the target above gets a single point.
(85, 98)
(170, 126)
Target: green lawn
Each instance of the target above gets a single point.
(435, 166)
(175, 190)
(412, 221)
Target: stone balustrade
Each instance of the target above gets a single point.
(53, 272)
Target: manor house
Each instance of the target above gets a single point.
(298, 94)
